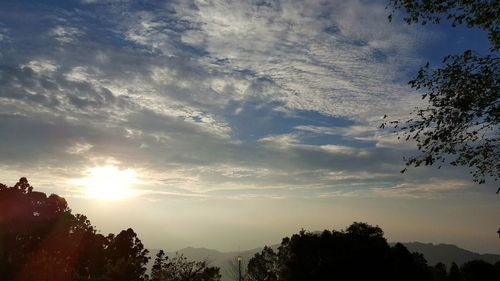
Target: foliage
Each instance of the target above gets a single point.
(478, 270)
(158, 266)
(180, 269)
(454, 274)
(462, 118)
(439, 272)
(481, 14)
(127, 256)
(359, 253)
(40, 239)
(262, 266)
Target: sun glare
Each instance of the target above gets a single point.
(108, 183)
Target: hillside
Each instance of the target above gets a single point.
(447, 253)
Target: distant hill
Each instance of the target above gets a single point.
(447, 253)
(433, 253)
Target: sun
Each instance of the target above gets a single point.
(108, 183)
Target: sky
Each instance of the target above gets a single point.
(230, 124)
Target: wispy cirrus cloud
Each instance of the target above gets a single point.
(210, 95)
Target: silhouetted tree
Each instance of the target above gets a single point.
(180, 269)
(31, 226)
(262, 267)
(497, 270)
(454, 273)
(439, 272)
(40, 239)
(478, 270)
(411, 266)
(482, 14)
(159, 266)
(126, 257)
(359, 253)
(462, 118)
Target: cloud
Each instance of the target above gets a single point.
(66, 34)
(79, 148)
(41, 66)
(209, 97)
(3, 34)
(334, 57)
(430, 189)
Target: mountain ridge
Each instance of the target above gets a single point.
(448, 253)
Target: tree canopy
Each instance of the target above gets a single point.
(460, 125)
(179, 268)
(482, 14)
(359, 252)
(40, 239)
